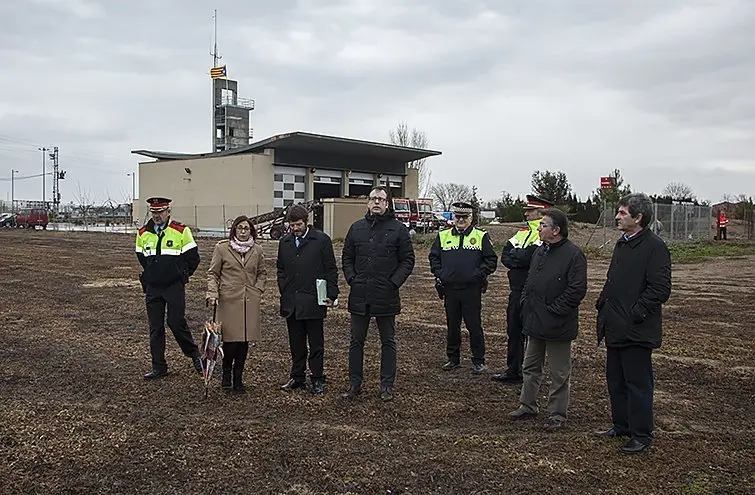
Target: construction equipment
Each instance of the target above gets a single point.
(273, 223)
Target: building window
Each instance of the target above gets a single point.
(298, 195)
(287, 202)
(299, 178)
(277, 194)
(287, 186)
(278, 177)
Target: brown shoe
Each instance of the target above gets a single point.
(554, 423)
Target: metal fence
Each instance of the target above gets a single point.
(674, 223)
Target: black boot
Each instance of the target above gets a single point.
(228, 351)
(238, 366)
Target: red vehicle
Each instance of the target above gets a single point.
(415, 213)
(425, 216)
(29, 218)
(403, 211)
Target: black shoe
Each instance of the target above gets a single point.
(225, 382)
(449, 365)
(293, 384)
(351, 393)
(521, 413)
(318, 387)
(154, 374)
(197, 362)
(507, 378)
(386, 394)
(478, 368)
(610, 433)
(238, 380)
(634, 446)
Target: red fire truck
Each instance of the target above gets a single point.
(415, 213)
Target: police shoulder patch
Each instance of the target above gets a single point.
(178, 226)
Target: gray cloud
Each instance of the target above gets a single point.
(659, 89)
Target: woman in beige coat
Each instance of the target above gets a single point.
(235, 281)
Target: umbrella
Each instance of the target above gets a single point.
(212, 348)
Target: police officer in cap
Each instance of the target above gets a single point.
(516, 256)
(169, 256)
(461, 259)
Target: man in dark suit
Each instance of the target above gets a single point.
(304, 256)
(377, 259)
(629, 318)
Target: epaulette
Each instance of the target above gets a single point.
(524, 229)
(142, 230)
(178, 226)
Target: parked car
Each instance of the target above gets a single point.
(29, 218)
(7, 220)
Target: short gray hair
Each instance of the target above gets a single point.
(559, 220)
(638, 203)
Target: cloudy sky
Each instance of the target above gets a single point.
(663, 90)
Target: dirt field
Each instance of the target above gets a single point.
(76, 416)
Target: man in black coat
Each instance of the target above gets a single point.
(629, 318)
(556, 284)
(304, 256)
(378, 257)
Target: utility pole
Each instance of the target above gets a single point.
(13, 190)
(55, 180)
(133, 192)
(44, 172)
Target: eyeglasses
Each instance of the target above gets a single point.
(375, 199)
(462, 217)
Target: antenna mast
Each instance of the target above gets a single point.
(214, 52)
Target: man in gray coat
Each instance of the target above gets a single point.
(556, 284)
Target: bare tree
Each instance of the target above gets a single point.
(415, 138)
(678, 191)
(447, 193)
(84, 203)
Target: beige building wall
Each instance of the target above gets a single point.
(214, 193)
(339, 213)
(411, 183)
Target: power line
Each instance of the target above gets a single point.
(5, 179)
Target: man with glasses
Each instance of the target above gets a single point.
(377, 258)
(556, 284)
(169, 256)
(516, 256)
(461, 259)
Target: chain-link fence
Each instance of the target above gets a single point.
(674, 223)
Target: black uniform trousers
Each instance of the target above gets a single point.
(174, 297)
(299, 332)
(629, 374)
(517, 340)
(466, 303)
(387, 328)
